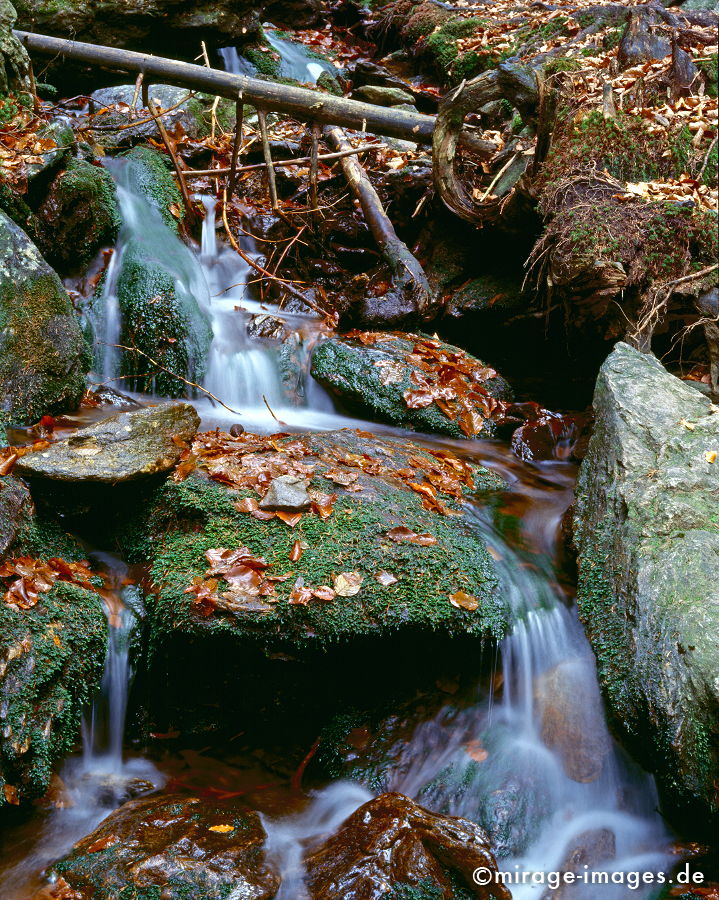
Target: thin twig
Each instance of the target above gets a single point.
(706, 158)
(150, 104)
(267, 151)
(237, 144)
(314, 157)
(279, 421)
(173, 374)
(284, 163)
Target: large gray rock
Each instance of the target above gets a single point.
(124, 447)
(648, 542)
(43, 357)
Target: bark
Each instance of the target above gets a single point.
(412, 293)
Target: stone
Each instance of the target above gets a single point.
(648, 550)
(60, 132)
(188, 114)
(43, 357)
(15, 511)
(392, 844)
(287, 492)
(14, 60)
(78, 216)
(383, 96)
(375, 376)
(180, 846)
(122, 448)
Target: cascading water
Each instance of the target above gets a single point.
(295, 60)
(99, 780)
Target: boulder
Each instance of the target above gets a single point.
(412, 381)
(180, 846)
(383, 96)
(78, 216)
(15, 511)
(59, 132)
(122, 448)
(43, 357)
(391, 846)
(648, 550)
(14, 61)
(112, 131)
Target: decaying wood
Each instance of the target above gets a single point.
(410, 281)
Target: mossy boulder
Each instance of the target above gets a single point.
(156, 284)
(648, 544)
(380, 373)
(185, 519)
(78, 216)
(43, 356)
(51, 655)
(183, 847)
(14, 60)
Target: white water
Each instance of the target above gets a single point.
(101, 778)
(295, 61)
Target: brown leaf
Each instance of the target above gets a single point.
(11, 795)
(296, 551)
(347, 584)
(401, 534)
(222, 829)
(300, 595)
(476, 751)
(462, 600)
(324, 592)
(290, 519)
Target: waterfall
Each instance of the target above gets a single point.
(296, 62)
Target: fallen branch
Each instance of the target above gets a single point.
(414, 293)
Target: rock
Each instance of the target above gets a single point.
(645, 516)
(51, 655)
(14, 60)
(287, 492)
(588, 851)
(383, 96)
(122, 448)
(367, 72)
(391, 844)
(172, 846)
(189, 115)
(60, 132)
(78, 216)
(376, 375)
(15, 511)
(43, 357)
(570, 715)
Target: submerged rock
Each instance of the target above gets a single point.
(124, 447)
(412, 381)
(78, 216)
(648, 544)
(182, 846)
(391, 845)
(43, 357)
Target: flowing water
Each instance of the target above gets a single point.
(296, 62)
(533, 758)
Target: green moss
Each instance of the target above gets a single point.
(710, 70)
(53, 658)
(17, 209)
(188, 518)
(561, 64)
(423, 21)
(152, 178)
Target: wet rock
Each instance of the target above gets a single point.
(588, 851)
(375, 376)
(390, 844)
(78, 216)
(287, 492)
(175, 847)
(268, 328)
(124, 447)
(60, 132)
(432, 556)
(15, 511)
(645, 529)
(187, 113)
(42, 352)
(571, 720)
(383, 96)
(368, 72)
(14, 60)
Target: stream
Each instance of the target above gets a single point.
(539, 736)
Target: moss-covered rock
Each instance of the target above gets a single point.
(183, 847)
(184, 520)
(78, 216)
(380, 374)
(646, 532)
(14, 61)
(43, 356)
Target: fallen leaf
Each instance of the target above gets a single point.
(296, 551)
(462, 600)
(386, 578)
(710, 456)
(324, 592)
(690, 426)
(222, 829)
(347, 584)
(290, 519)
(476, 751)
(401, 534)
(11, 795)
(102, 843)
